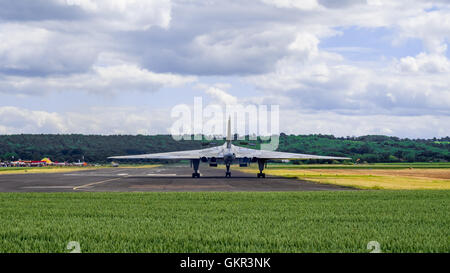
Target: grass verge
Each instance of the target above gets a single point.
(52, 169)
(28, 170)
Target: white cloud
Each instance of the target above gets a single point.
(20, 43)
(305, 44)
(238, 51)
(430, 63)
(119, 120)
(131, 120)
(126, 14)
(17, 120)
(101, 79)
(411, 86)
(303, 5)
(221, 96)
(433, 28)
(275, 45)
(100, 120)
(36, 50)
(54, 45)
(328, 122)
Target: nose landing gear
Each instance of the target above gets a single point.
(195, 164)
(228, 173)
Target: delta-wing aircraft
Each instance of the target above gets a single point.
(227, 154)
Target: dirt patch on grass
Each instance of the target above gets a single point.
(404, 179)
(420, 173)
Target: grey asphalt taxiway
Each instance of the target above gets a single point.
(161, 179)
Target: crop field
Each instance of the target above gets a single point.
(391, 166)
(374, 179)
(401, 221)
(420, 176)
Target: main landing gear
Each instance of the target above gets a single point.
(261, 165)
(228, 173)
(195, 164)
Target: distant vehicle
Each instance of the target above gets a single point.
(227, 154)
(114, 164)
(80, 164)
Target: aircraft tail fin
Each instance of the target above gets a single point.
(229, 133)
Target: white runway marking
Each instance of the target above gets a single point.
(122, 174)
(95, 183)
(94, 175)
(48, 187)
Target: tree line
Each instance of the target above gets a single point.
(96, 148)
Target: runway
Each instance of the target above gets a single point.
(161, 179)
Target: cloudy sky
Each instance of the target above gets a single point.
(348, 68)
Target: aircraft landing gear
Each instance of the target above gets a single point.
(195, 163)
(228, 173)
(261, 164)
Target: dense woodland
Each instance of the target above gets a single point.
(95, 148)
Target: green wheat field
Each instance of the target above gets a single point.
(401, 221)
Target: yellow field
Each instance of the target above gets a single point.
(405, 179)
(30, 170)
(46, 170)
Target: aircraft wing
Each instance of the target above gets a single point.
(193, 154)
(242, 152)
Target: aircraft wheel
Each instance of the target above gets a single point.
(228, 175)
(195, 175)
